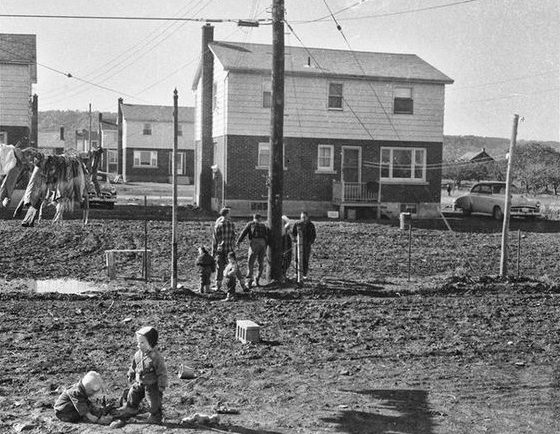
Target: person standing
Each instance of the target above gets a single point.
(257, 232)
(306, 231)
(223, 242)
(286, 246)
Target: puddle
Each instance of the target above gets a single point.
(65, 286)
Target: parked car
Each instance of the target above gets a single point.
(488, 197)
(107, 192)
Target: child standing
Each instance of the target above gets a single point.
(206, 266)
(73, 405)
(148, 375)
(232, 274)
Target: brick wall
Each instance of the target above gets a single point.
(302, 182)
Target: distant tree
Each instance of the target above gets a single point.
(460, 171)
(537, 167)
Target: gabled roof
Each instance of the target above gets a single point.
(239, 56)
(20, 50)
(481, 155)
(156, 113)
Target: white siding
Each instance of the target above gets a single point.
(218, 114)
(306, 113)
(15, 93)
(198, 112)
(161, 137)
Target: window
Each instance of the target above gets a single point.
(180, 163)
(403, 103)
(335, 96)
(403, 164)
(112, 156)
(267, 94)
(145, 159)
(325, 158)
(263, 156)
(147, 130)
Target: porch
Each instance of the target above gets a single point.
(354, 193)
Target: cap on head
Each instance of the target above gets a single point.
(93, 383)
(224, 212)
(150, 334)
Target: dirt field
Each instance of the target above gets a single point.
(359, 349)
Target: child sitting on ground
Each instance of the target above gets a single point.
(206, 266)
(232, 274)
(148, 375)
(74, 404)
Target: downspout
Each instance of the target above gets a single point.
(225, 126)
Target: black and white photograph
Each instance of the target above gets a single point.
(280, 216)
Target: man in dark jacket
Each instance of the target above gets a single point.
(257, 232)
(306, 231)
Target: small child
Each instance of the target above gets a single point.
(148, 375)
(73, 405)
(232, 274)
(206, 266)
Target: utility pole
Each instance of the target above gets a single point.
(276, 167)
(89, 132)
(507, 204)
(174, 213)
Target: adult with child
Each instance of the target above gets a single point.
(223, 242)
(305, 229)
(148, 375)
(74, 404)
(257, 232)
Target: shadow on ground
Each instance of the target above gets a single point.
(402, 411)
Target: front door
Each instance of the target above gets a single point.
(351, 162)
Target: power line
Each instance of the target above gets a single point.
(387, 14)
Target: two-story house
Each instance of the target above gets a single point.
(362, 130)
(147, 143)
(18, 72)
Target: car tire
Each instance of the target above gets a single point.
(497, 213)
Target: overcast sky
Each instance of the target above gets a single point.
(503, 54)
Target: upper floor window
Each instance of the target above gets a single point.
(405, 164)
(335, 96)
(147, 130)
(267, 94)
(403, 102)
(325, 158)
(145, 159)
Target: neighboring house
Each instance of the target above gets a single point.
(109, 135)
(357, 125)
(51, 142)
(476, 156)
(147, 143)
(18, 73)
(83, 142)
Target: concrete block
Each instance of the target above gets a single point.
(247, 331)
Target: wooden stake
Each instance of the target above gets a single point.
(174, 207)
(507, 204)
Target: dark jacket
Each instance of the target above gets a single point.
(206, 263)
(306, 229)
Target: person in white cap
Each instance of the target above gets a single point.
(148, 375)
(74, 404)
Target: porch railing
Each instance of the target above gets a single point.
(345, 192)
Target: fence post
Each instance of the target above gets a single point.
(409, 244)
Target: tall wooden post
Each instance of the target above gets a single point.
(507, 204)
(89, 131)
(276, 167)
(174, 213)
(120, 137)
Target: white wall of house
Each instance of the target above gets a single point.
(15, 91)
(160, 138)
(307, 114)
(198, 112)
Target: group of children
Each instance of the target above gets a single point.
(207, 265)
(147, 375)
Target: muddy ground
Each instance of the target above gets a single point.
(358, 349)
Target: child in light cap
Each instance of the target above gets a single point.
(74, 404)
(148, 375)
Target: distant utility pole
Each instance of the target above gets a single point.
(507, 204)
(89, 133)
(174, 213)
(276, 167)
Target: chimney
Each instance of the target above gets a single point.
(62, 134)
(205, 152)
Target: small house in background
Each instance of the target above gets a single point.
(83, 142)
(109, 139)
(51, 142)
(476, 156)
(147, 143)
(18, 73)
(363, 131)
